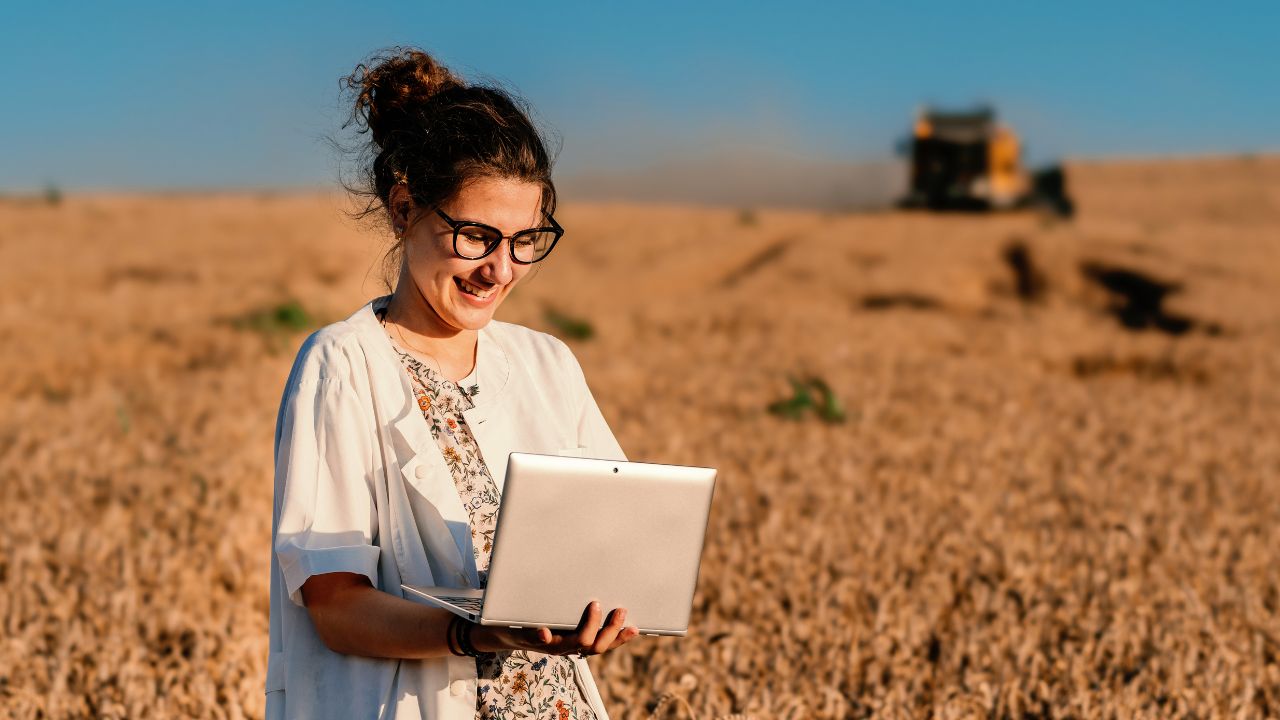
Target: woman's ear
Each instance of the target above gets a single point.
(400, 207)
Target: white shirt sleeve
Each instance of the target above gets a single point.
(324, 494)
(594, 435)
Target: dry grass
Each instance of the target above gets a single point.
(1029, 510)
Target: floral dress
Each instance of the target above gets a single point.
(517, 684)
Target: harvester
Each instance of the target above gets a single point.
(968, 161)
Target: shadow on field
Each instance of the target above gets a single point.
(908, 300)
(1137, 299)
(769, 255)
(1153, 369)
(147, 275)
(1029, 283)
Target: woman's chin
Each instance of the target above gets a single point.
(472, 318)
(471, 313)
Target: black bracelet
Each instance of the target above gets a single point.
(452, 635)
(464, 642)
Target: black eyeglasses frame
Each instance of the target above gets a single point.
(459, 225)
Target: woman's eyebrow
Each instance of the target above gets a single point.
(495, 227)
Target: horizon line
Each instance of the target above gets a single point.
(40, 191)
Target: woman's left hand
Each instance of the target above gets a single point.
(589, 638)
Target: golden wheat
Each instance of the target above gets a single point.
(1029, 511)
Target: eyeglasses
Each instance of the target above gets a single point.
(473, 240)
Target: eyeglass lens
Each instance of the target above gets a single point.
(473, 242)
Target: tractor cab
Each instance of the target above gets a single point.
(964, 161)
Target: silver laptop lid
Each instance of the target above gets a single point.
(571, 530)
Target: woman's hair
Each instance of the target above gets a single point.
(435, 132)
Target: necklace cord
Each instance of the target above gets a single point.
(439, 370)
(411, 346)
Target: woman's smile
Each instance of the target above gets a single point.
(482, 293)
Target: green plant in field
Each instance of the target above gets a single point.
(202, 486)
(276, 323)
(809, 394)
(288, 316)
(568, 326)
(829, 407)
(122, 416)
(794, 407)
(52, 194)
(747, 217)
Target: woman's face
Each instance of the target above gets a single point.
(464, 294)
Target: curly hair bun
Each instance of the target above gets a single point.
(391, 90)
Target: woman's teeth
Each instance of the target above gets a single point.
(470, 289)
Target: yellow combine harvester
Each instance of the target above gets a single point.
(968, 161)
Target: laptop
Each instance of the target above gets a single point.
(571, 530)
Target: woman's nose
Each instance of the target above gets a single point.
(497, 266)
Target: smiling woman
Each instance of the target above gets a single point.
(455, 295)
(396, 424)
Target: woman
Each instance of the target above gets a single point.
(395, 426)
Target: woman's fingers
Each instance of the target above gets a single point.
(626, 636)
(608, 634)
(589, 627)
(590, 637)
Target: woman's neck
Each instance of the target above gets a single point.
(417, 325)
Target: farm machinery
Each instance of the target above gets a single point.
(969, 161)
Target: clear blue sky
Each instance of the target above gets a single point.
(174, 94)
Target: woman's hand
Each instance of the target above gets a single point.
(589, 638)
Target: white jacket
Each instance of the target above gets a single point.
(361, 487)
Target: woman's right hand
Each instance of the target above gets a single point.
(591, 637)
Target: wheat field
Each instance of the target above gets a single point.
(1053, 492)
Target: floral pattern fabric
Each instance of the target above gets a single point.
(516, 684)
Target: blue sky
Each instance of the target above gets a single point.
(194, 95)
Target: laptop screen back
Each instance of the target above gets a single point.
(571, 530)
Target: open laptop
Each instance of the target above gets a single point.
(571, 530)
